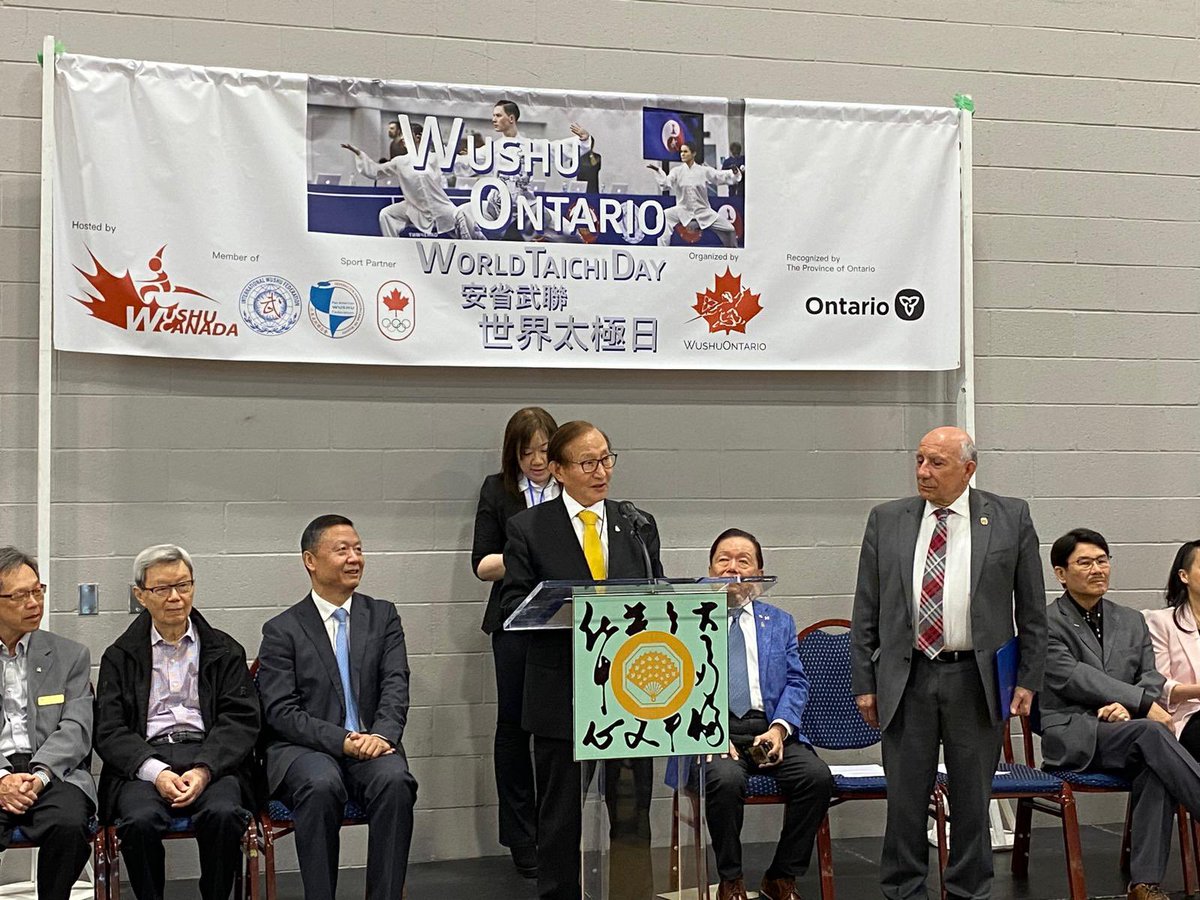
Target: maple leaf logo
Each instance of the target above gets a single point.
(112, 296)
(395, 301)
(728, 305)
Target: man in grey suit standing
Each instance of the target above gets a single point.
(333, 678)
(941, 578)
(46, 732)
(1100, 709)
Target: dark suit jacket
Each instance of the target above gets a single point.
(228, 707)
(542, 546)
(301, 689)
(1081, 677)
(496, 507)
(1006, 582)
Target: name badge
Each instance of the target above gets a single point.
(51, 699)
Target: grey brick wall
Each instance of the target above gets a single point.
(1087, 241)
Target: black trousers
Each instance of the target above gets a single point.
(515, 787)
(57, 823)
(316, 787)
(560, 826)
(1163, 774)
(943, 704)
(805, 782)
(142, 816)
(1190, 737)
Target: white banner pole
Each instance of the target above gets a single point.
(966, 387)
(45, 314)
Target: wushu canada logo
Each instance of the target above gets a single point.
(395, 310)
(728, 305)
(159, 305)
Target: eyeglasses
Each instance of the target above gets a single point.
(589, 465)
(18, 597)
(163, 591)
(1100, 562)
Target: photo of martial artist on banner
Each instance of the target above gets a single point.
(410, 160)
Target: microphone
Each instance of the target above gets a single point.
(641, 525)
(634, 515)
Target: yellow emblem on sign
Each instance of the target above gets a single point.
(653, 675)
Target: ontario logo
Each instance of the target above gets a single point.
(728, 305)
(158, 305)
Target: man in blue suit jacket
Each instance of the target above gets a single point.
(771, 690)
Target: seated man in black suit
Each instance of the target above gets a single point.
(333, 677)
(1100, 705)
(176, 723)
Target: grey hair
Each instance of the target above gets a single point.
(968, 451)
(157, 555)
(11, 558)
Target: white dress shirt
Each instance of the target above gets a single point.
(746, 621)
(534, 495)
(325, 610)
(956, 589)
(573, 508)
(14, 734)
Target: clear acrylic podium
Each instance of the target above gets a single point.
(649, 697)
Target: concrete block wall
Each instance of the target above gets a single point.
(1087, 274)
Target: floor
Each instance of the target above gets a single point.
(854, 859)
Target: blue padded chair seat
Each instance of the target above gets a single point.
(761, 786)
(1020, 779)
(868, 784)
(182, 823)
(279, 811)
(18, 836)
(1094, 780)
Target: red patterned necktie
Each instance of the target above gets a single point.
(930, 627)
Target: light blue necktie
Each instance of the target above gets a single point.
(739, 671)
(343, 660)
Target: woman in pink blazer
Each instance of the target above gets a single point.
(1176, 640)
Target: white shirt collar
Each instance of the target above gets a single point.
(327, 609)
(536, 494)
(574, 506)
(156, 638)
(960, 507)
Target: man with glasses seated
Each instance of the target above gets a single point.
(767, 694)
(176, 722)
(580, 535)
(1101, 705)
(45, 732)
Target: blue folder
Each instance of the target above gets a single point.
(1007, 658)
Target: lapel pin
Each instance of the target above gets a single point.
(983, 520)
(616, 528)
(39, 669)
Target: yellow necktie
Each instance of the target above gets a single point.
(593, 552)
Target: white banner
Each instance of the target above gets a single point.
(228, 214)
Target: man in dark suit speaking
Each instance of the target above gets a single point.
(579, 536)
(333, 676)
(941, 578)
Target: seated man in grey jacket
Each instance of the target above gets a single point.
(1100, 710)
(45, 732)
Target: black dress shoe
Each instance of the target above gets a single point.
(525, 859)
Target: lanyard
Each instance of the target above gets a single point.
(541, 495)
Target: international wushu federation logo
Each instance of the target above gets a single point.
(653, 675)
(396, 310)
(270, 305)
(335, 308)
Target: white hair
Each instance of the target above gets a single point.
(157, 555)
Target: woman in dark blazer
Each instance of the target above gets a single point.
(523, 481)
